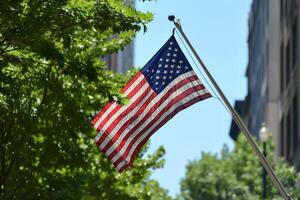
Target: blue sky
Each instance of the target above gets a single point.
(218, 29)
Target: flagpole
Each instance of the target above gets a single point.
(235, 116)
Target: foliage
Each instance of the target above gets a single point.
(53, 81)
(235, 175)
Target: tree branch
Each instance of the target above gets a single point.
(45, 90)
(9, 50)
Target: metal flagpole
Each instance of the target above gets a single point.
(235, 116)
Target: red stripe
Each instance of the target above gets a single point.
(170, 116)
(101, 113)
(110, 103)
(137, 88)
(154, 107)
(165, 109)
(118, 107)
(128, 122)
(122, 115)
(130, 95)
(102, 123)
(175, 100)
(131, 81)
(122, 168)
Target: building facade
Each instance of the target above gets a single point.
(273, 74)
(122, 60)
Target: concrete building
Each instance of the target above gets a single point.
(241, 106)
(120, 62)
(273, 74)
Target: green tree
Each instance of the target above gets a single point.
(53, 82)
(235, 175)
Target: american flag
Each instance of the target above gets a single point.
(166, 85)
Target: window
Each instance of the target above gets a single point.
(282, 137)
(286, 8)
(267, 54)
(294, 42)
(295, 137)
(281, 68)
(288, 137)
(281, 10)
(287, 63)
(267, 11)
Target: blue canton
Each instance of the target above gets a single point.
(166, 65)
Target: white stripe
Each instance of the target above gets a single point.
(121, 164)
(136, 82)
(105, 114)
(154, 114)
(115, 115)
(149, 120)
(125, 119)
(98, 136)
(151, 104)
(185, 100)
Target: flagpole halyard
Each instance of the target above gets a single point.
(235, 115)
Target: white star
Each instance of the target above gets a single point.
(166, 66)
(170, 48)
(177, 71)
(167, 60)
(178, 67)
(180, 61)
(186, 67)
(156, 88)
(152, 70)
(174, 54)
(157, 77)
(172, 66)
(176, 50)
(168, 54)
(173, 60)
(160, 65)
(156, 83)
(147, 70)
(158, 71)
(170, 77)
(163, 83)
(164, 77)
(165, 72)
(161, 59)
(171, 71)
(151, 77)
(171, 43)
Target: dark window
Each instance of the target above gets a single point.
(282, 137)
(286, 8)
(287, 63)
(281, 9)
(288, 137)
(281, 68)
(295, 42)
(295, 122)
(267, 11)
(267, 54)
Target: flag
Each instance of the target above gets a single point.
(166, 85)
